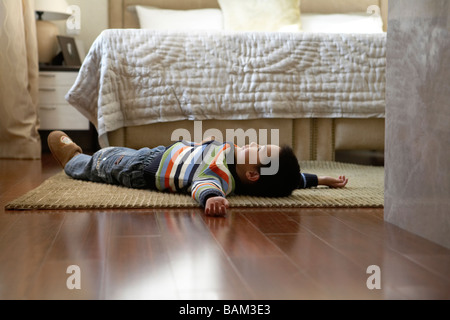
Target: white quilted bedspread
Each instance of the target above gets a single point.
(136, 77)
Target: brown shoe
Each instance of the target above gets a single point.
(62, 147)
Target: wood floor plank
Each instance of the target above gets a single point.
(200, 268)
(338, 276)
(83, 236)
(398, 273)
(23, 249)
(238, 237)
(82, 241)
(303, 253)
(24, 166)
(6, 220)
(134, 223)
(277, 278)
(138, 268)
(273, 221)
(429, 255)
(259, 262)
(137, 262)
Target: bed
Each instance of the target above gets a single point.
(317, 91)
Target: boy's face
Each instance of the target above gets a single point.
(255, 155)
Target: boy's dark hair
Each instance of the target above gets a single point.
(281, 184)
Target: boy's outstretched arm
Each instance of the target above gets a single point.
(216, 206)
(331, 182)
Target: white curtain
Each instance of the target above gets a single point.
(19, 73)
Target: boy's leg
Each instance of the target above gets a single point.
(114, 165)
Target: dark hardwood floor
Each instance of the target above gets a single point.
(182, 254)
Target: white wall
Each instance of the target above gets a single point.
(94, 19)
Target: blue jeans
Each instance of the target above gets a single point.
(114, 165)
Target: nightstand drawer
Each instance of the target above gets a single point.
(55, 95)
(48, 79)
(61, 117)
(55, 112)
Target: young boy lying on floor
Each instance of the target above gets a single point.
(210, 171)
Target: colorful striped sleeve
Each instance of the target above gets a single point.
(214, 180)
(205, 189)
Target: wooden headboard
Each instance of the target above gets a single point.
(121, 17)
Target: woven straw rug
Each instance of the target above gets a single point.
(365, 189)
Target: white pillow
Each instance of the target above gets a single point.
(342, 23)
(182, 20)
(261, 15)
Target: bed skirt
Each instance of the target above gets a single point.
(311, 139)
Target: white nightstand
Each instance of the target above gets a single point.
(55, 112)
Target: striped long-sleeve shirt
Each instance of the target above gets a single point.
(199, 169)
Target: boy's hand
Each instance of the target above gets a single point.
(216, 206)
(341, 182)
